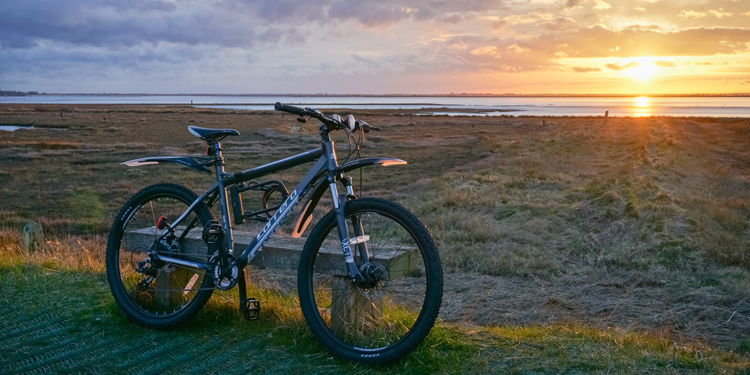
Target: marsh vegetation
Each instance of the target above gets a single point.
(636, 226)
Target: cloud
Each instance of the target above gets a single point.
(617, 67)
(486, 50)
(664, 64)
(558, 24)
(546, 51)
(600, 4)
(371, 14)
(388, 12)
(597, 41)
(720, 13)
(114, 24)
(312, 38)
(228, 23)
(514, 48)
(585, 69)
(369, 63)
(690, 14)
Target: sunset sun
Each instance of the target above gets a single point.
(643, 70)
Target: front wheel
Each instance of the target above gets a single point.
(386, 317)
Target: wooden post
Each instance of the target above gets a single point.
(33, 237)
(248, 279)
(351, 312)
(606, 116)
(163, 287)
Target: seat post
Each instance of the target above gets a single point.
(218, 153)
(218, 160)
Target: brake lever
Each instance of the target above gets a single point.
(365, 127)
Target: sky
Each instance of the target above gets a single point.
(375, 47)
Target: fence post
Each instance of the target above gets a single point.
(33, 237)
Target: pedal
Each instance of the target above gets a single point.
(212, 232)
(252, 309)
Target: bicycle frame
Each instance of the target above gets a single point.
(325, 169)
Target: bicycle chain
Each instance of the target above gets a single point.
(206, 258)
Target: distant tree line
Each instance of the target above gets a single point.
(17, 93)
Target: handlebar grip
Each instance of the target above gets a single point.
(289, 108)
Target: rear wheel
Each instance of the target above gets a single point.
(387, 316)
(166, 295)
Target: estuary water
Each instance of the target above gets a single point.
(439, 105)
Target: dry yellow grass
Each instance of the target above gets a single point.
(639, 223)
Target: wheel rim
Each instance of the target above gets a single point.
(173, 287)
(370, 318)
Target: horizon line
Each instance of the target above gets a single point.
(738, 94)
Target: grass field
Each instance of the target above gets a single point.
(59, 317)
(577, 245)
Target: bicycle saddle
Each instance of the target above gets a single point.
(215, 134)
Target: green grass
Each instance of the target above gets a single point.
(59, 316)
(640, 225)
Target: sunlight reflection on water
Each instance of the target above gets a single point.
(11, 128)
(477, 106)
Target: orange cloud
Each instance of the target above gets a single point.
(691, 14)
(597, 41)
(664, 64)
(585, 69)
(618, 68)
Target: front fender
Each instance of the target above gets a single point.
(321, 185)
(359, 163)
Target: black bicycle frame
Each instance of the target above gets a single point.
(326, 166)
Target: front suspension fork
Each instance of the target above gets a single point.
(339, 206)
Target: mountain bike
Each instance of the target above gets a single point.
(369, 279)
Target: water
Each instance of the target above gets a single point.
(11, 128)
(481, 106)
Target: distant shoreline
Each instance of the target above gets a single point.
(318, 95)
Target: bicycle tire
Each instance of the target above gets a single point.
(386, 321)
(175, 293)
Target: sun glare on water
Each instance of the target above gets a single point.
(641, 107)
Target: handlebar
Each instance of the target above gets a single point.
(289, 108)
(334, 121)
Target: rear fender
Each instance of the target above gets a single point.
(188, 161)
(320, 187)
